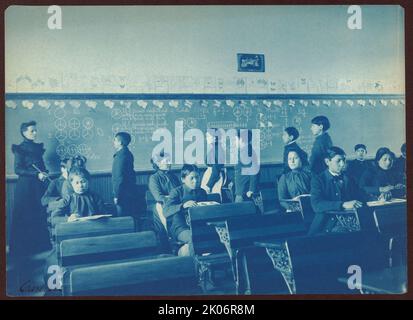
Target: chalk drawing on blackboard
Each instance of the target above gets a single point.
(116, 127)
(247, 111)
(99, 132)
(88, 123)
(74, 123)
(60, 124)
(87, 134)
(84, 150)
(72, 150)
(27, 104)
(221, 124)
(44, 104)
(61, 151)
(115, 114)
(74, 134)
(237, 112)
(59, 113)
(60, 135)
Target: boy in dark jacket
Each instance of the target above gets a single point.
(332, 190)
(123, 175)
(319, 127)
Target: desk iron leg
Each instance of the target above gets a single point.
(280, 258)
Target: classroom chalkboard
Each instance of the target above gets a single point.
(74, 124)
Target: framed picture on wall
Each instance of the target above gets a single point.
(248, 62)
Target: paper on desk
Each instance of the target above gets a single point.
(383, 202)
(95, 217)
(207, 203)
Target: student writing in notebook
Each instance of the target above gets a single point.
(82, 202)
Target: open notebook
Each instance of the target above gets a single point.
(384, 203)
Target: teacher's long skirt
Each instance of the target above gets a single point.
(28, 231)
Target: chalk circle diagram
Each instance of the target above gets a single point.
(84, 150)
(297, 121)
(74, 123)
(116, 127)
(61, 151)
(237, 111)
(88, 123)
(247, 111)
(59, 113)
(74, 134)
(116, 114)
(191, 123)
(60, 135)
(60, 124)
(72, 150)
(87, 134)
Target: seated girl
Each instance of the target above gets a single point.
(380, 181)
(82, 202)
(74, 162)
(160, 185)
(295, 182)
(180, 200)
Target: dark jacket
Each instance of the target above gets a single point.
(161, 183)
(174, 211)
(215, 160)
(53, 192)
(318, 152)
(293, 184)
(375, 177)
(27, 155)
(243, 182)
(302, 154)
(86, 204)
(356, 169)
(399, 166)
(123, 174)
(328, 193)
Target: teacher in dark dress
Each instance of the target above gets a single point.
(28, 234)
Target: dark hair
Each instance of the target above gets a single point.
(124, 138)
(381, 152)
(403, 148)
(334, 151)
(187, 169)
(25, 125)
(299, 154)
(78, 162)
(321, 120)
(292, 131)
(360, 146)
(157, 158)
(81, 172)
(65, 163)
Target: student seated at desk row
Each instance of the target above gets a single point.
(81, 202)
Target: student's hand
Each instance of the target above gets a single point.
(249, 194)
(72, 217)
(189, 204)
(386, 196)
(230, 185)
(42, 176)
(399, 186)
(386, 189)
(115, 201)
(349, 205)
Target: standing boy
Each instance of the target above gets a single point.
(123, 175)
(290, 136)
(319, 127)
